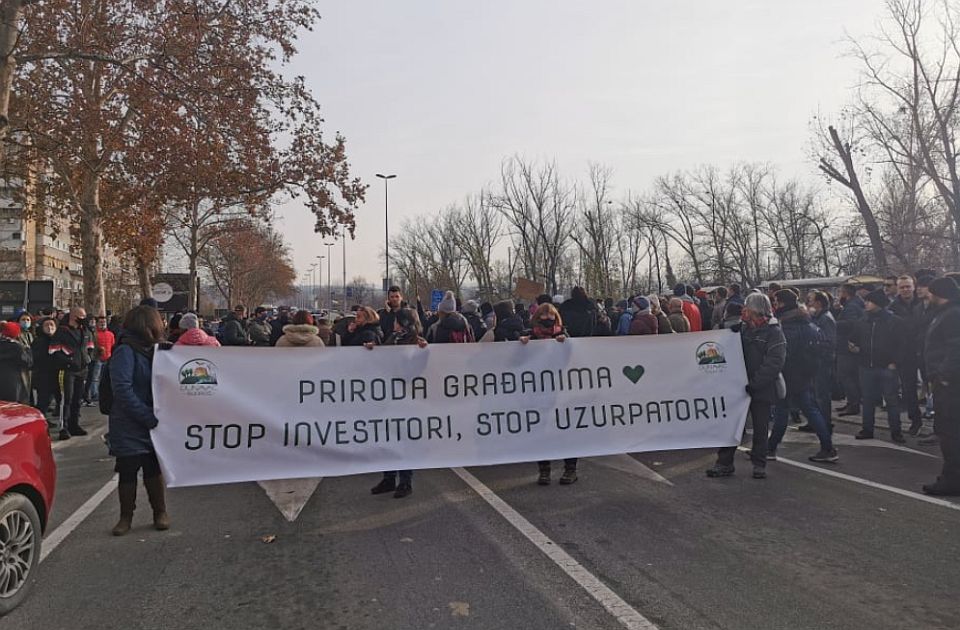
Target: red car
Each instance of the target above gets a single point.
(27, 479)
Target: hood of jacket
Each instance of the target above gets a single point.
(453, 322)
(194, 337)
(300, 334)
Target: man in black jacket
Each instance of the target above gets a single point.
(848, 365)
(764, 353)
(579, 314)
(388, 314)
(878, 342)
(907, 307)
(818, 305)
(76, 342)
(942, 358)
(235, 328)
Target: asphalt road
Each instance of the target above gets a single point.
(640, 539)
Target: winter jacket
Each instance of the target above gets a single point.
(736, 298)
(579, 317)
(43, 363)
(828, 339)
(105, 343)
(452, 324)
(368, 333)
(76, 347)
(692, 312)
(850, 314)
(131, 415)
(196, 337)
(803, 354)
(644, 324)
(548, 333)
(881, 336)
(764, 354)
(706, 314)
(912, 313)
(603, 328)
(679, 323)
(477, 325)
(942, 344)
(259, 331)
(276, 328)
(731, 323)
(716, 317)
(623, 324)
(300, 336)
(663, 324)
(15, 360)
(234, 331)
(402, 339)
(387, 318)
(510, 329)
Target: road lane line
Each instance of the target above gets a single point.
(626, 615)
(57, 536)
(871, 484)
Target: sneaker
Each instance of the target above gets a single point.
(806, 428)
(544, 478)
(385, 485)
(940, 489)
(930, 440)
(863, 435)
(64, 435)
(898, 438)
(847, 411)
(828, 457)
(569, 476)
(77, 431)
(759, 472)
(720, 470)
(915, 426)
(403, 490)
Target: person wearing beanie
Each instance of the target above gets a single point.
(509, 325)
(451, 326)
(644, 321)
(544, 298)
(799, 373)
(731, 316)
(149, 301)
(879, 341)
(579, 313)
(470, 313)
(625, 317)
(15, 363)
(192, 334)
(942, 369)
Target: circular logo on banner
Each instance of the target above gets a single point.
(198, 378)
(162, 292)
(710, 357)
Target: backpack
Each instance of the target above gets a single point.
(105, 388)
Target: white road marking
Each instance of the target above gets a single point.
(626, 615)
(871, 484)
(290, 495)
(797, 437)
(630, 465)
(95, 434)
(57, 536)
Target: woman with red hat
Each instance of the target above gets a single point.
(15, 360)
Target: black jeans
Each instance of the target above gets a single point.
(908, 390)
(946, 404)
(760, 417)
(73, 392)
(848, 371)
(47, 384)
(406, 476)
(128, 467)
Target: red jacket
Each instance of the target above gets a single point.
(196, 337)
(105, 342)
(692, 311)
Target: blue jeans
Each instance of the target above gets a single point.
(877, 385)
(823, 389)
(806, 402)
(93, 381)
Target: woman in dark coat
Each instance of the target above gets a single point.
(131, 417)
(364, 330)
(15, 359)
(45, 371)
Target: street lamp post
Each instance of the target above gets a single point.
(313, 284)
(319, 291)
(344, 309)
(386, 220)
(329, 285)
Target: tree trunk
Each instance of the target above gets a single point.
(143, 277)
(192, 257)
(91, 246)
(11, 14)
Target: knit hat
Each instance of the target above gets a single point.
(10, 329)
(880, 298)
(945, 288)
(469, 307)
(622, 304)
(188, 321)
(680, 290)
(448, 304)
(17, 314)
(642, 304)
(149, 302)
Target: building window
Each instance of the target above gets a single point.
(15, 236)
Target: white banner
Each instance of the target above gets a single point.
(255, 414)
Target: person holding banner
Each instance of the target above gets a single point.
(546, 323)
(364, 330)
(407, 331)
(132, 419)
(764, 354)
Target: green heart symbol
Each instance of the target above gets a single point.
(633, 373)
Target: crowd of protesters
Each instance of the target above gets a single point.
(894, 347)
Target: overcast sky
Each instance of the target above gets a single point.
(439, 92)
